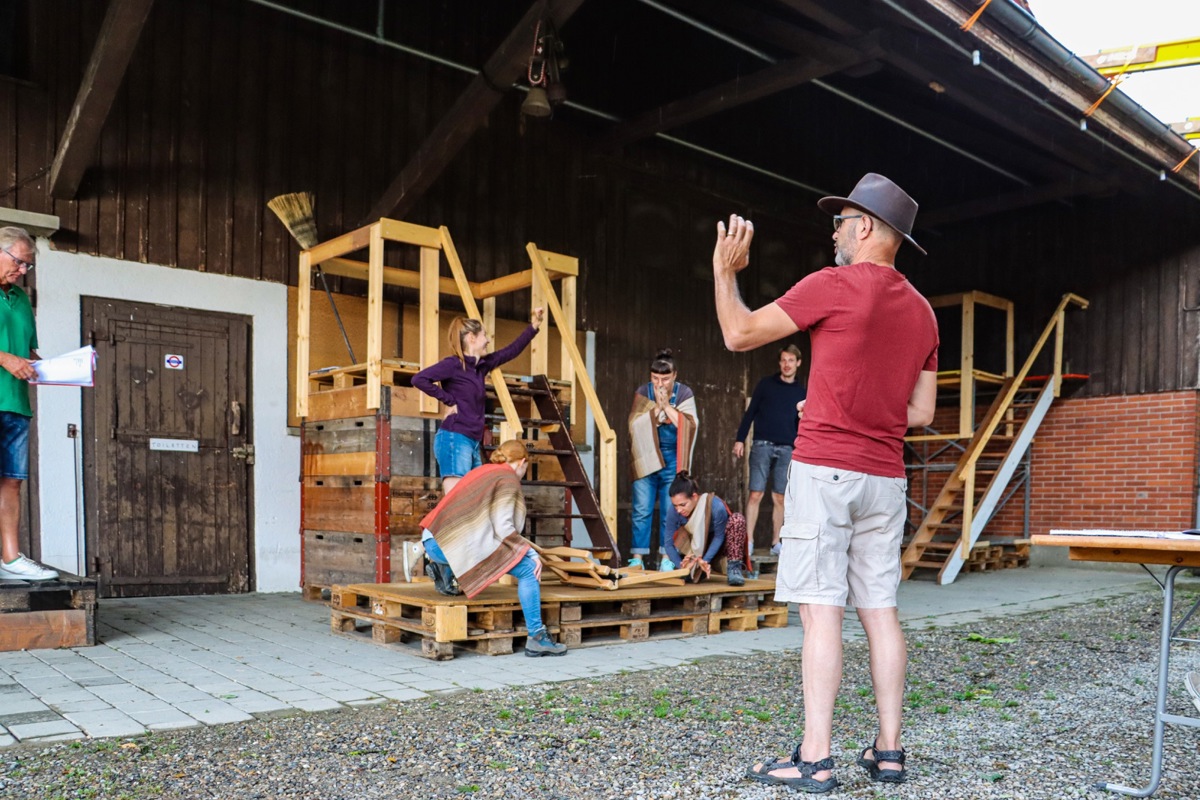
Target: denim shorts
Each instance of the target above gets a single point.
(769, 459)
(456, 454)
(14, 445)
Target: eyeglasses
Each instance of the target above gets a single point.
(28, 265)
(839, 218)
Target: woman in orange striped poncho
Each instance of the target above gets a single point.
(476, 532)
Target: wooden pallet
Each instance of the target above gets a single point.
(491, 623)
(43, 615)
(765, 564)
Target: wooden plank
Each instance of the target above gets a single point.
(341, 245)
(450, 623)
(392, 276)
(119, 34)
(966, 396)
(566, 370)
(303, 332)
(45, 630)
(430, 305)
(539, 357)
(338, 464)
(375, 319)
(469, 111)
(395, 230)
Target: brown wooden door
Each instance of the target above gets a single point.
(167, 450)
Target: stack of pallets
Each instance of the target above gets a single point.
(491, 622)
(42, 615)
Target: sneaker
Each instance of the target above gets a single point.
(1191, 682)
(636, 562)
(735, 575)
(540, 644)
(775, 548)
(26, 569)
(443, 578)
(666, 565)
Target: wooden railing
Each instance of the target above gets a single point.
(1003, 407)
(607, 463)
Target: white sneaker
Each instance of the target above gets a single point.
(26, 569)
(1191, 682)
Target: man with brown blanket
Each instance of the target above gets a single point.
(476, 531)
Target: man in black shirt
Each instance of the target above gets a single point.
(773, 411)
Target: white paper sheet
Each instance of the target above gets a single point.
(76, 368)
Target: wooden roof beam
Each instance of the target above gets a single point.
(1011, 201)
(119, 34)
(469, 111)
(772, 80)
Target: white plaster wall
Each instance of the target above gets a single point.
(63, 278)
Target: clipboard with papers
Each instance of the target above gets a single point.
(76, 368)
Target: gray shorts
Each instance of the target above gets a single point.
(769, 459)
(841, 535)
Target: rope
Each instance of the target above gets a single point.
(1113, 81)
(1186, 158)
(971, 20)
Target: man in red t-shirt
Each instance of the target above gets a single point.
(873, 376)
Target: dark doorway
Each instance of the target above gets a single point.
(168, 450)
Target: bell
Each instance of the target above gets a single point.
(536, 104)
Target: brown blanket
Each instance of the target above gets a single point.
(478, 526)
(643, 436)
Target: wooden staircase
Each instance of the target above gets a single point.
(974, 489)
(984, 470)
(555, 464)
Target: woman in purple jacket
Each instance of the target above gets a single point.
(457, 382)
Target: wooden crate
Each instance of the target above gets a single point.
(347, 503)
(334, 557)
(41, 615)
(347, 446)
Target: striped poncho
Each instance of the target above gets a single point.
(643, 431)
(478, 526)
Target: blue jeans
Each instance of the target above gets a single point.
(529, 589)
(655, 486)
(14, 445)
(456, 454)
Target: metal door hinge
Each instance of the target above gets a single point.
(245, 451)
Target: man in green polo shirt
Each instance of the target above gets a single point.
(18, 344)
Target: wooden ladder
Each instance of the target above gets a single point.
(548, 435)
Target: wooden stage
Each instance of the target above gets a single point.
(491, 623)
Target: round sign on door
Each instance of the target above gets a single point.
(173, 361)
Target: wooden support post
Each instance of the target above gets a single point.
(966, 398)
(968, 512)
(539, 348)
(303, 332)
(1059, 323)
(430, 311)
(566, 365)
(489, 317)
(375, 318)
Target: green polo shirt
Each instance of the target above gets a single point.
(18, 335)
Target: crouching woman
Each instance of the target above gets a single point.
(703, 531)
(476, 532)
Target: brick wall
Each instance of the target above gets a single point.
(1126, 461)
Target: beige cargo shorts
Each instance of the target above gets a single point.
(840, 541)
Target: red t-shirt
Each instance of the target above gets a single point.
(872, 335)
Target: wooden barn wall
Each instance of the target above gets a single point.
(1135, 259)
(227, 104)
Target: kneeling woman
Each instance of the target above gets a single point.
(476, 531)
(703, 530)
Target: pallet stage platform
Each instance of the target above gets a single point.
(44, 615)
(491, 623)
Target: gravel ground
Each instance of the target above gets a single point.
(1068, 701)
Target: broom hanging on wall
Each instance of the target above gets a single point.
(295, 211)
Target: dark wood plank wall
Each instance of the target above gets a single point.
(227, 104)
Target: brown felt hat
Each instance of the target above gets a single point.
(879, 197)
